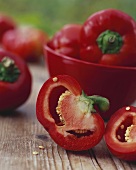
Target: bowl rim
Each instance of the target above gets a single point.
(47, 48)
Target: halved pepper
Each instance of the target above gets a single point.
(120, 135)
(69, 115)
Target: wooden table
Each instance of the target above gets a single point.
(21, 134)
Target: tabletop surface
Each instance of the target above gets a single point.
(21, 134)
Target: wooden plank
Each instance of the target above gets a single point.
(21, 134)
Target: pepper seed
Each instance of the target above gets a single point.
(35, 153)
(127, 108)
(55, 79)
(41, 147)
(119, 137)
(122, 126)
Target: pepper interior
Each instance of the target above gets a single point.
(121, 131)
(53, 102)
(81, 133)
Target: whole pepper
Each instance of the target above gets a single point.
(15, 81)
(66, 40)
(109, 37)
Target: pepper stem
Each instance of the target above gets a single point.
(110, 42)
(9, 72)
(101, 102)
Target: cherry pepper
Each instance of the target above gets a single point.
(68, 114)
(109, 37)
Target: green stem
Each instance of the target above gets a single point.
(9, 72)
(101, 102)
(110, 42)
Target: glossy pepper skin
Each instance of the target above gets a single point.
(108, 37)
(6, 23)
(66, 40)
(25, 41)
(69, 115)
(15, 81)
(120, 134)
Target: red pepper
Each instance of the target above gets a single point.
(109, 37)
(6, 23)
(68, 114)
(66, 40)
(120, 134)
(25, 41)
(15, 81)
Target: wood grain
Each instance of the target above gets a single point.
(21, 134)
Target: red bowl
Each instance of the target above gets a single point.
(116, 83)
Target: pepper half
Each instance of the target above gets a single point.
(120, 135)
(69, 115)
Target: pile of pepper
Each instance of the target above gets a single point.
(107, 37)
(24, 40)
(18, 45)
(71, 117)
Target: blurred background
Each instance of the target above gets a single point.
(51, 15)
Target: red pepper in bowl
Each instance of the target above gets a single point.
(66, 40)
(109, 37)
(113, 82)
(68, 114)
